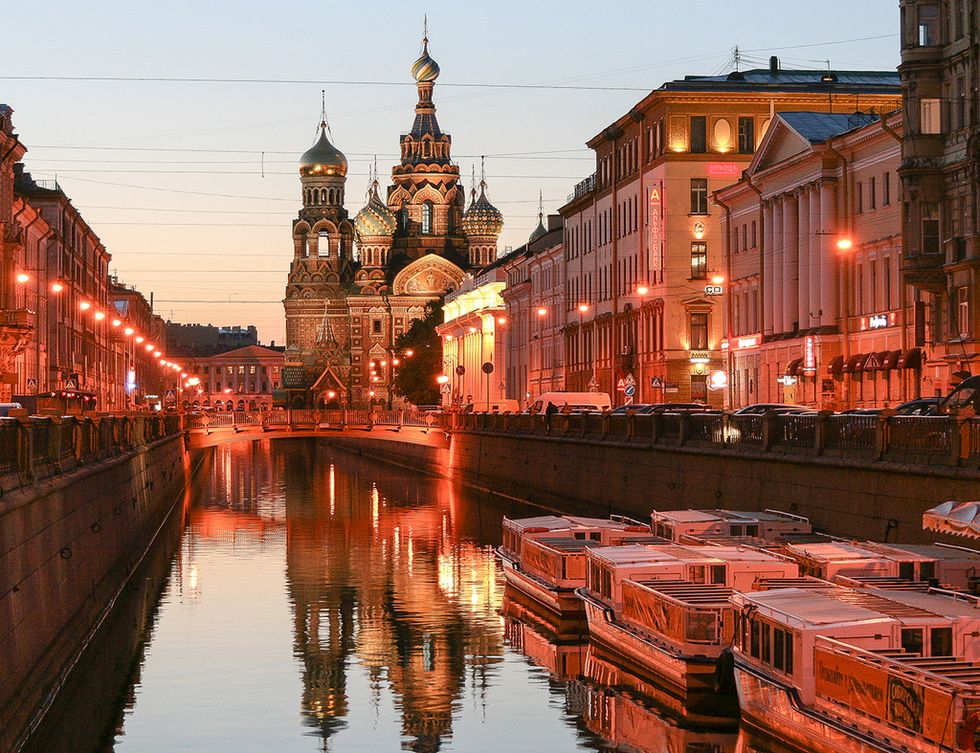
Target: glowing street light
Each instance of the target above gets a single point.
(84, 305)
(442, 379)
(129, 331)
(100, 315)
(116, 322)
(23, 277)
(845, 244)
(409, 353)
(717, 279)
(501, 320)
(542, 311)
(57, 287)
(642, 290)
(583, 307)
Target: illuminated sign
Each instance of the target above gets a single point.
(656, 228)
(700, 356)
(878, 321)
(131, 380)
(723, 170)
(718, 381)
(809, 354)
(699, 230)
(747, 342)
(786, 380)
(713, 290)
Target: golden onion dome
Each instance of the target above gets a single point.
(482, 218)
(375, 218)
(323, 158)
(425, 69)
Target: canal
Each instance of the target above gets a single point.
(308, 600)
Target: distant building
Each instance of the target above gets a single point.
(240, 379)
(643, 242)
(536, 313)
(135, 365)
(809, 322)
(202, 340)
(940, 72)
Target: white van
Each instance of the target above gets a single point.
(577, 402)
(494, 406)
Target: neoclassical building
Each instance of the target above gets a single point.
(356, 284)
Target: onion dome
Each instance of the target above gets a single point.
(482, 218)
(375, 218)
(323, 158)
(540, 230)
(425, 69)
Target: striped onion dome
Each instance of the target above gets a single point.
(482, 218)
(375, 218)
(425, 69)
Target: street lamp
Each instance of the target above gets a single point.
(844, 246)
(582, 310)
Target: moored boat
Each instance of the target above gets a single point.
(692, 526)
(844, 670)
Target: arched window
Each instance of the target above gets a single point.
(403, 218)
(427, 217)
(323, 244)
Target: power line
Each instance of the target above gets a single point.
(823, 44)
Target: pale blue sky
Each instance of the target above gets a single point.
(191, 247)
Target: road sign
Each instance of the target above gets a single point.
(593, 384)
(170, 396)
(460, 370)
(31, 384)
(487, 368)
(629, 380)
(713, 290)
(657, 383)
(630, 390)
(444, 389)
(71, 383)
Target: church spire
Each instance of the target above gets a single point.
(540, 230)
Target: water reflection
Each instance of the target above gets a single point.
(322, 602)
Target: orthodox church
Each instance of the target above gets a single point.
(355, 285)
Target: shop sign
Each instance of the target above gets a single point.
(809, 354)
(700, 356)
(724, 170)
(746, 342)
(656, 228)
(713, 289)
(878, 321)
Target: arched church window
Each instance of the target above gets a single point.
(403, 218)
(323, 244)
(427, 217)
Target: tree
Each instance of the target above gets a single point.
(415, 379)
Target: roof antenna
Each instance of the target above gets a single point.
(737, 54)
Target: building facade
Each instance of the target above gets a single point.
(474, 326)
(536, 313)
(237, 380)
(643, 245)
(812, 237)
(136, 376)
(189, 340)
(940, 173)
(355, 285)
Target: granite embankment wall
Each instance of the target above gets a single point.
(67, 547)
(869, 499)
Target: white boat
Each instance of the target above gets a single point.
(845, 670)
(545, 556)
(692, 526)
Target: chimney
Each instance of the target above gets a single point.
(773, 65)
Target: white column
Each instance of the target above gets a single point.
(777, 270)
(804, 265)
(828, 254)
(791, 260)
(767, 267)
(813, 242)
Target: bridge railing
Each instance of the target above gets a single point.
(34, 448)
(307, 418)
(920, 440)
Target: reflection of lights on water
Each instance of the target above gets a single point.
(193, 581)
(333, 485)
(411, 553)
(375, 504)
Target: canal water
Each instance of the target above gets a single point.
(309, 600)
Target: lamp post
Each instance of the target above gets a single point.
(844, 246)
(449, 362)
(542, 312)
(582, 309)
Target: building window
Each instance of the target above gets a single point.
(323, 244)
(873, 194)
(754, 241)
(699, 134)
(427, 217)
(886, 190)
(859, 197)
(746, 135)
(963, 311)
(929, 121)
(699, 195)
(699, 260)
(376, 326)
(928, 25)
(930, 229)
(699, 388)
(699, 332)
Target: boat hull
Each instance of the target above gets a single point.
(563, 602)
(773, 709)
(690, 679)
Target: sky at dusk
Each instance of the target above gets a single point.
(180, 200)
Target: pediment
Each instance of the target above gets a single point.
(428, 275)
(780, 143)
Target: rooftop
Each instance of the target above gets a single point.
(762, 79)
(818, 127)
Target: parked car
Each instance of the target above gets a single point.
(965, 394)
(760, 409)
(923, 406)
(646, 409)
(573, 402)
(861, 412)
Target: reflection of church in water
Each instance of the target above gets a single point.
(385, 589)
(354, 286)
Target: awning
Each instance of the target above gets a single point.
(793, 367)
(959, 518)
(855, 363)
(910, 359)
(890, 361)
(836, 366)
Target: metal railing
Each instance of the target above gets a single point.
(315, 419)
(920, 440)
(39, 447)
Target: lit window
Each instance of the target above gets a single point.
(699, 260)
(746, 135)
(963, 311)
(699, 331)
(699, 195)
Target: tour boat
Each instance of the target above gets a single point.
(843, 670)
(952, 567)
(666, 610)
(545, 556)
(686, 526)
